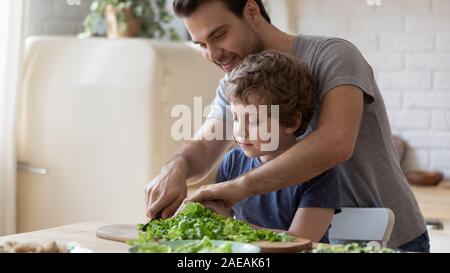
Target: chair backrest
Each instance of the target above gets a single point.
(363, 224)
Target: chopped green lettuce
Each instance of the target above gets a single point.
(196, 222)
(203, 246)
(350, 248)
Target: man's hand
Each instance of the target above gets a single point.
(190, 162)
(228, 193)
(218, 207)
(166, 192)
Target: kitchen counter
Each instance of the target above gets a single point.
(83, 233)
(434, 202)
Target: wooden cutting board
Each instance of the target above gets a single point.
(284, 247)
(118, 233)
(123, 233)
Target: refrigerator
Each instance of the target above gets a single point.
(94, 125)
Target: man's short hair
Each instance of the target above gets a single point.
(276, 79)
(184, 8)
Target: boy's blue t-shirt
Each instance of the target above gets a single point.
(276, 210)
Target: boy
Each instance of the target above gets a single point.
(267, 78)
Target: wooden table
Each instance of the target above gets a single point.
(433, 201)
(83, 233)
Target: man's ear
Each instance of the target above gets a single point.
(252, 13)
(293, 128)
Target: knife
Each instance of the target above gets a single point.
(158, 216)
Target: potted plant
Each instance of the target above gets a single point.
(129, 18)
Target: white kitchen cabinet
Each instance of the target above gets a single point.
(95, 122)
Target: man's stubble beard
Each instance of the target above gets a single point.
(256, 45)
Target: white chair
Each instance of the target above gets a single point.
(363, 224)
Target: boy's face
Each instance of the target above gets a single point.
(248, 124)
(225, 39)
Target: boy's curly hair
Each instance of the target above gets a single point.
(276, 79)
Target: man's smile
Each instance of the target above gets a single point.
(228, 65)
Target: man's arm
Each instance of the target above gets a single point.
(330, 144)
(191, 161)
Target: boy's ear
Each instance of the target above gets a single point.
(298, 121)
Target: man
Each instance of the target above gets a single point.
(349, 131)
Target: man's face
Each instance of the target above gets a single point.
(225, 39)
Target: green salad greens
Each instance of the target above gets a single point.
(196, 222)
(350, 248)
(203, 246)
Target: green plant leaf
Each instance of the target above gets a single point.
(153, 15)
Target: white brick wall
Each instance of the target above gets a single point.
(443, 42)
(408, 44)
(442, 80)
(56, 17)
(441, 121)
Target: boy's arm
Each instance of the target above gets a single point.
(311, 223)
(274, 230)
(308, 223)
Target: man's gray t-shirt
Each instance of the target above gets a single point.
(373, 176)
